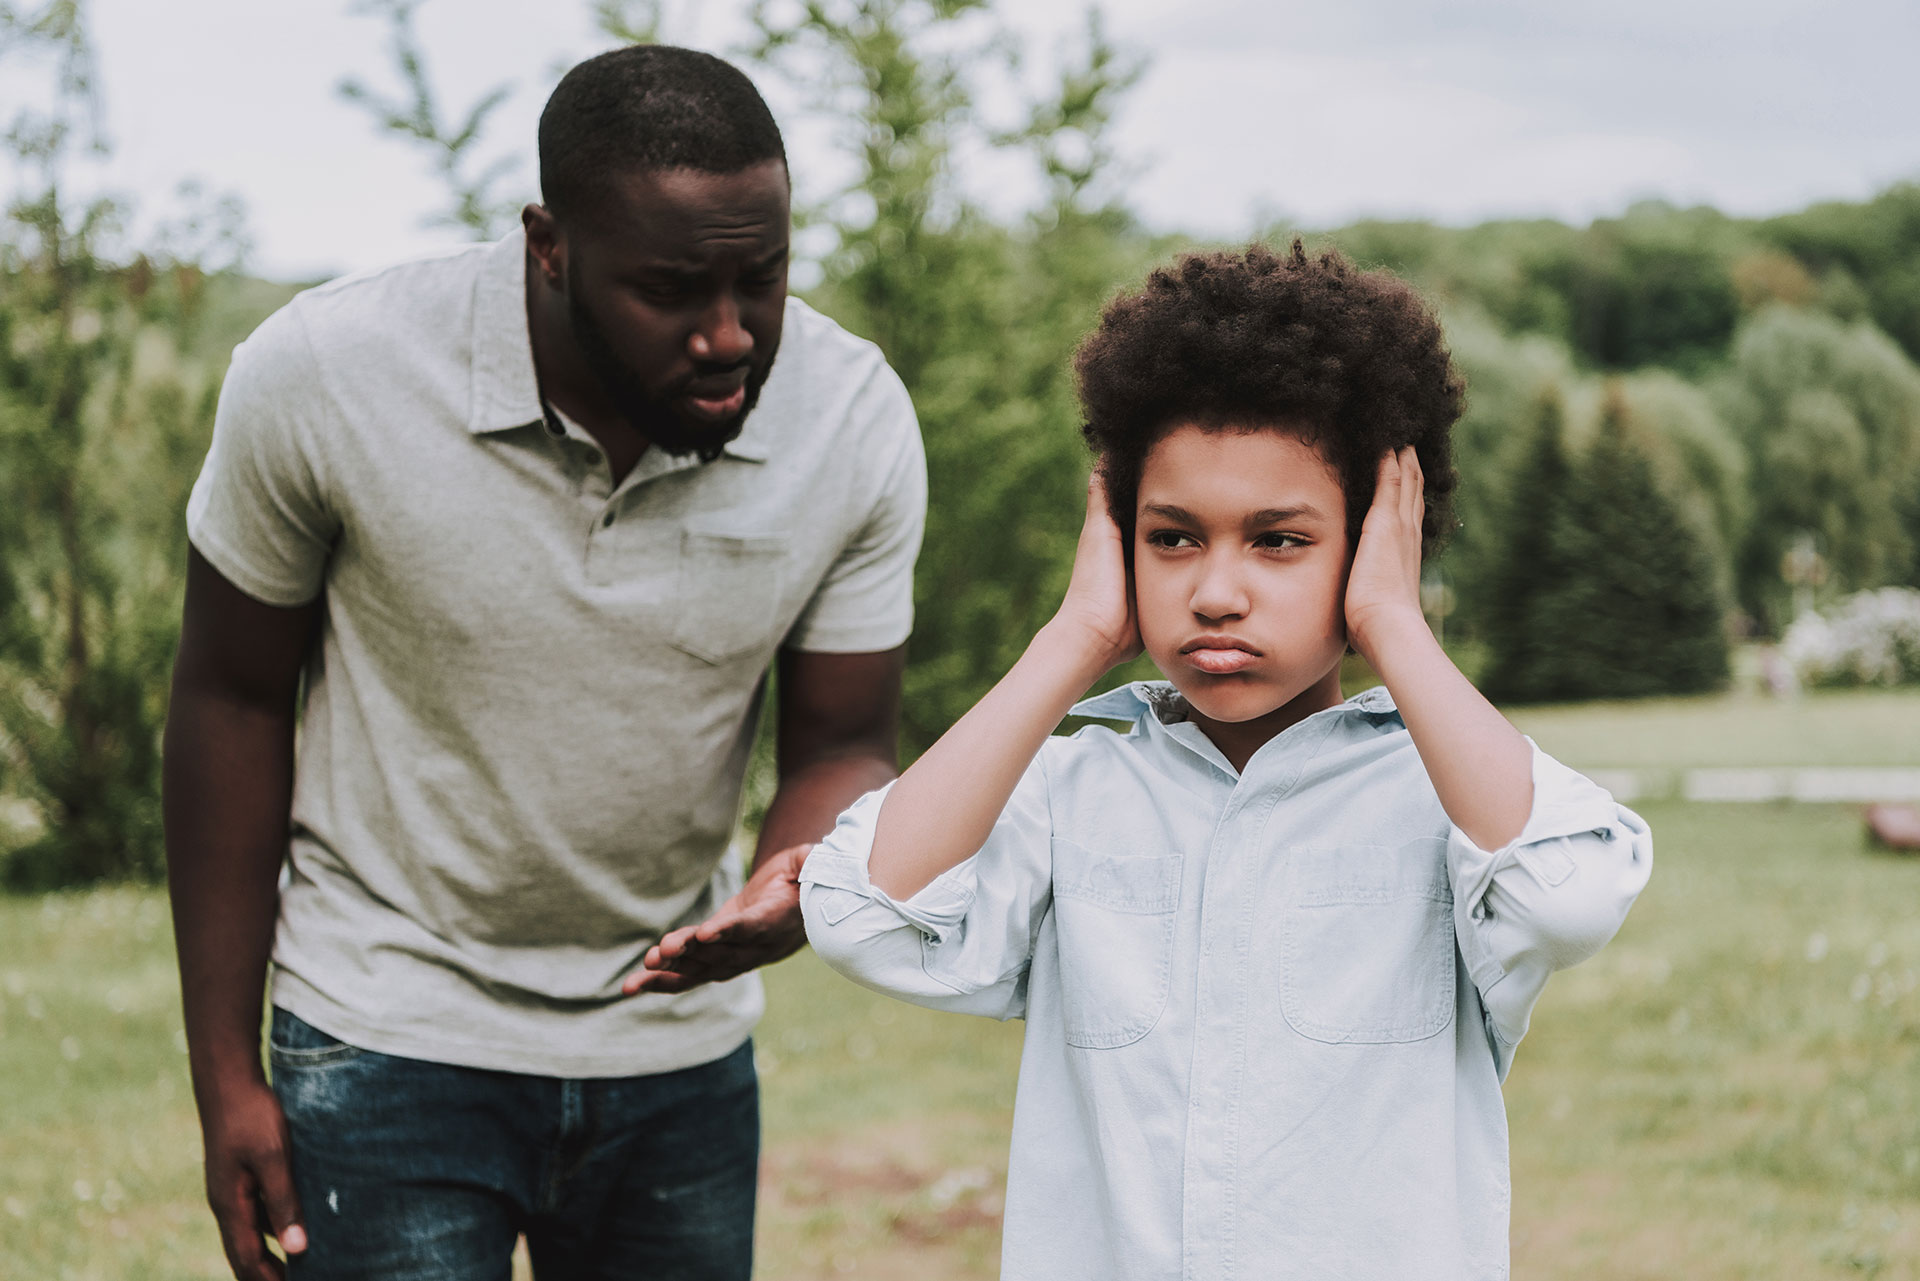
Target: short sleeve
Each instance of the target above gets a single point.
(865, 602)
(259, 511)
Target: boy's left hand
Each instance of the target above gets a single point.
(1383, 586)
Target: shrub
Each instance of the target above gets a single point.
(1870, 638)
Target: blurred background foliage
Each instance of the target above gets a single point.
(1683, 429)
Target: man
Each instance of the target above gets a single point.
(531, 521)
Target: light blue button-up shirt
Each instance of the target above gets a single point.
(1268, 1013)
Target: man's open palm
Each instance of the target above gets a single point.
(758, 926)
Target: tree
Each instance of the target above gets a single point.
(1626, 602)
(1513, 381)
(103, 414)
(472, 204)
(1873, 245)
(979, 319)
(1829, 414)
(1521, 664)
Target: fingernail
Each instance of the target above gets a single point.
(294, 1239)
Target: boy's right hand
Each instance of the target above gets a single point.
(1098, 612)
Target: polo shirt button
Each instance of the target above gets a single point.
(606, 520)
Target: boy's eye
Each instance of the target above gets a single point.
(1280, 540)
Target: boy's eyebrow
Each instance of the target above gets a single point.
(1167, 511)
(1265, 516)
(1282, 515)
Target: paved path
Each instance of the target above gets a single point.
(1856, 785)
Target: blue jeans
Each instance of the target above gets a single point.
(416, 1171)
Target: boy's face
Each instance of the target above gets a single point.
(1240, 571)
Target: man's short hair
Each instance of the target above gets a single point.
(1350, 361)
(647, 108)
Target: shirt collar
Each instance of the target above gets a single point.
(1132, 701)
(504, 392)
(1161, 712)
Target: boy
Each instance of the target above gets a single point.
(1274, 949)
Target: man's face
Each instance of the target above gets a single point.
(676, 286)
(1240, 568)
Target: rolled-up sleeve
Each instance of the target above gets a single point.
(1548, 900)
(965, 941)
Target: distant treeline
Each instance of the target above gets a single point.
(1763, 367)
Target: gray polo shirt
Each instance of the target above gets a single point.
(529, 713)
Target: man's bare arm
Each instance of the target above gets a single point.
(227, 789)
(837, 734)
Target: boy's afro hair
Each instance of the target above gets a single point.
(1351, 361)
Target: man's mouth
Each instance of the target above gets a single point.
(717, 399)
(1219, 655)
(718, 408)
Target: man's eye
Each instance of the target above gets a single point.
(663, 292)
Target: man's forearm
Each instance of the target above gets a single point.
(227, 789)
(812, 797)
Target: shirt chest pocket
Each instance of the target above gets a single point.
(727, 594)
(1114, 916)
(1367, 947)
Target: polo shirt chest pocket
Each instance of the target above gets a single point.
(1367, 946)
(727, 594)
(1114, 915)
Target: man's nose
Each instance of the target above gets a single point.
(1219, 593)
(720, 338)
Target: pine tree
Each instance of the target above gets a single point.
(1636, 609)
(1520, 662)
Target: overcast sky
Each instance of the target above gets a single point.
(1250, 109)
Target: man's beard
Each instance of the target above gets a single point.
(652, 415)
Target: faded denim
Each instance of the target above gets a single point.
(416, 1171)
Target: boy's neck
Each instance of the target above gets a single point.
(1239, 740)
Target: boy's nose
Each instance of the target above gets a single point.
(1219, 593)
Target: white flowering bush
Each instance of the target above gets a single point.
(1870, 638)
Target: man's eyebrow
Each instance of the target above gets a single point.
(681, 269)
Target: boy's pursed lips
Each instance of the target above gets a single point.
(1219, 654)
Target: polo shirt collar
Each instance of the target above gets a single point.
(505, 392)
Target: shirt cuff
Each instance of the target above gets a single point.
(839, 865)
(1565, 803)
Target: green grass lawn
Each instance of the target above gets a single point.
(1833, 728)
(1732, 1089)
